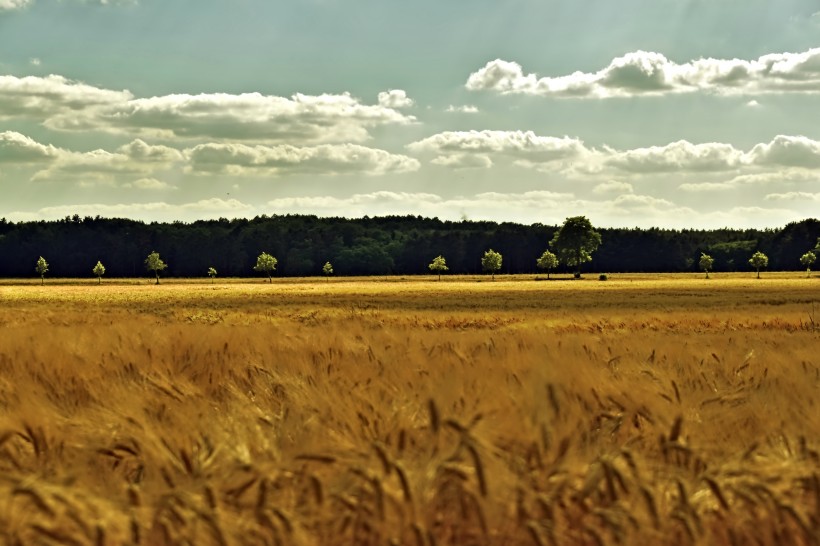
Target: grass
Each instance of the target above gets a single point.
(657, 409)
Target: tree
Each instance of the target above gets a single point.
(547, 261)
(575, 242)
(491, 261)
(41, 268)
(807, 259)
(706, 263)
(155, 264)
(438, 265)
(99, 271)
(212, 274)
(266, 264)
(759, 261)
(327, 269)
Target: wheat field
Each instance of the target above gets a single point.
(647, 409)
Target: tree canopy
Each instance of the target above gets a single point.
(575, 242)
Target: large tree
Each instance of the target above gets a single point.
(759, 261)
(547, 262)
(491, 261)
(155, 264)
(266, 264)
(575, 242)
(807, 259)
(438, 265)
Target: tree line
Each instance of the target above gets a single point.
(304, 245)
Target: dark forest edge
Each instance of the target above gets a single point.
(389, 245)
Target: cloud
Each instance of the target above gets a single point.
(794, 196)
(395, 98)
(677, 156)
(612, 187)
(248, 116)
(642, 73)
(153, 211)
(787, 151)
(779, 178)
(753, 104)
(148, 184)
(453, 147)
(46, 97)
(239, 159)
(17, 148)
(465, 109)
(8, 5)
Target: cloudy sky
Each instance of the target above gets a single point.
(667, 113)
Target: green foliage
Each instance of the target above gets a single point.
(266, 264)
(438, 265)
(155, 264)
(212, 273)
(575, 242)
(759, 261)
(491, 261)
(807, 260)
(99, 271)
(327, 269)
(548, 261)
(706, 262)
(41, 268)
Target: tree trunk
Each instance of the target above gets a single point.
(758, 273)
(99, 280)
(157, 274)
(42, 280)
(270, 278)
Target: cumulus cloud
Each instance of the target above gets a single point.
(794, 196)
(237, 159)
(153, 211)
(677, 156)
(43, 98)
(787, 151)
(395, 98)
(649, 73)
(612, 187)
(248, 116)
(464, 109)
(151, 184)
(8, 5)
(454, 147)
(18, 148)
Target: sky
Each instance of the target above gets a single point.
(635, 113)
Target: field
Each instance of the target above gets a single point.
(642, 410)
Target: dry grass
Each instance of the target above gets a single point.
(656, 410)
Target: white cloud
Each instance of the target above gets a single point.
(249, 116)
(35, 62)
(613, 187)
(153, 211)
(238, 159)
(778, 178)
(794, 196)
(463, 161)
(8, 5)
(395, 98)
(787, 151)
(148, 184)
(649, 73)
(43, 98)
(17, 148)
(677, 156)
(753, 104)
(464, 109)
(452, 147)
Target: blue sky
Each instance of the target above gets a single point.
(668, 113)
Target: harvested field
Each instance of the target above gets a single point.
(644, 409)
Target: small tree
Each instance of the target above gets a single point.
(491, 261)
(41, 268)
(706, 263)
(575, 242)
(547, 261)
(212, 274)
(155, 264)
(327, 269)
(438, 265)
(99, 271)
(807, 260)
(266, 264)
(759, 261)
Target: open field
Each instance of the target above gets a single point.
(655, 409)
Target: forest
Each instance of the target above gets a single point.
(397, 245)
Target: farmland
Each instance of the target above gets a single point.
(663, 409)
